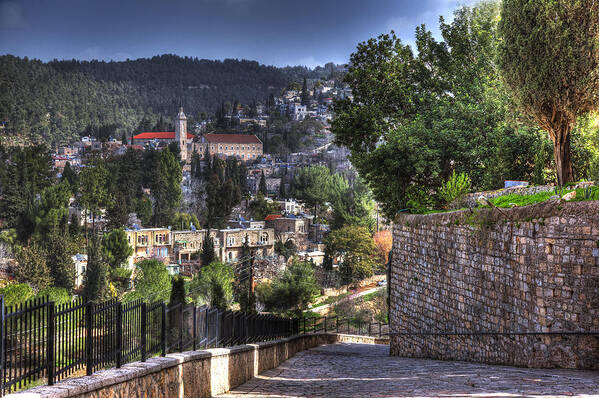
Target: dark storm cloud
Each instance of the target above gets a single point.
(279, 32)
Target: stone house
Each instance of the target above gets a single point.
(246, 147)
(147, 243)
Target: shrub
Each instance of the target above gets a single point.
(59, 295)
(16, 293)
(455, 187)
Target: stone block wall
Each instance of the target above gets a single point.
(198, 374)
(529, 269)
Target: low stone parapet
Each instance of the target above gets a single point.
(203, 373)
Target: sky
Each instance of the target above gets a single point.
(272, 32)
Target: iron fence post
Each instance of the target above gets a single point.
(89, 363)
(195, 328)
(369, 325)
(51, 343)
(217, 328)
(380, 329)
(143, 332)
(325, 324)
(119, 335)
(163, 329)
(336, 324)
(180, 327)
(2, 367)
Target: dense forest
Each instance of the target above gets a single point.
(57, 101)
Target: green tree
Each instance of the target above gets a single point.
(51, 209)
(292, 292)
(25, 173)
(32, 268)
(356, 250)
(354, 207)
(208, 255)
(115, 248)
(261, 207)
(166, 188)
(214, 285)
(417, 117)
(549, 60)
(282, 190)
(262, 185)
(93, 181)
(69, 175)
(152, 281)
(59, 252)
(315, 185)
(305, 93)
(177, 291)
(95, 284)
(184, 221)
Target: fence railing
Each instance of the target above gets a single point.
(42, 342)
(342, 325)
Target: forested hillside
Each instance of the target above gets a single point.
(57, 101)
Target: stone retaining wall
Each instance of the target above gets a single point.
(189, 374)
(530, 269)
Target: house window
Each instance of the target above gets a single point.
(231, 241)
(230, 256)
(264, 238)
(216, 241)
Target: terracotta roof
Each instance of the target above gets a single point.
(271, 217)
(232, 138)
(163, 135)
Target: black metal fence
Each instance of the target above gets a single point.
(43, 343)
(342, 325)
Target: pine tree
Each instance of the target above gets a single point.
(31, 267)
(177, 291)
(262, 186)
(282, 190)
(62, 268)
(208, 255)
(95, 286)
(74, 226)
(305, 94)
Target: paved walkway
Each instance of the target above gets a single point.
(360, 370)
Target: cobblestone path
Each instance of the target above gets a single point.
(361, 370)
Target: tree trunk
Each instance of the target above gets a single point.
(561, 151)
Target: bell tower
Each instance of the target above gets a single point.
(181, 133)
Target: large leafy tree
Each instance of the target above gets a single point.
(316, 185)
(291, 292)
(214, 285)
(152, 281)
(356, 251)
(418, 116)
(549, 56)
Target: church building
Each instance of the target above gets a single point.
(180, 135)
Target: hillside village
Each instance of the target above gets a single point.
(266, 219)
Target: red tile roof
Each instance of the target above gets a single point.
(163, 135)
(271, 217)
(232, 138)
